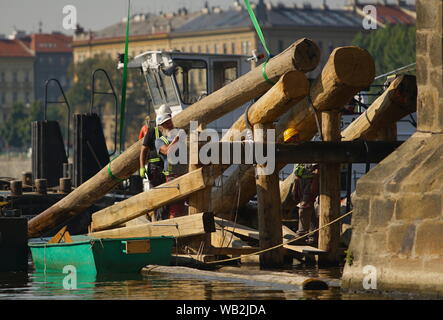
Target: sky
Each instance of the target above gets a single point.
(97, 14)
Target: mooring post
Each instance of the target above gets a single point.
(16, 188)
(329, 237)
(65, 185)
(41, 186)
(269, 213)
(27, 178)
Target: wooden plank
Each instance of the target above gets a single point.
(196, 224)
(137, 246)
(144, 202)
(232, 251)
(230, 226)
(63, 234)
(304, 249)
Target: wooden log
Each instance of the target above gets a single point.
(159, 196)
(399, 100)
(268, 199)
(41, 186)
(347, 71)
(329, 209)
(302, 55)
(237, 274)
(288, 91)
(185, 226)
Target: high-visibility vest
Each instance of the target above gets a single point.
(166, 141)
(301, 171)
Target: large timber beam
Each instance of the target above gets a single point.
(191, 225)
(144, 202)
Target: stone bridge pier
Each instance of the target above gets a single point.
(398, 213)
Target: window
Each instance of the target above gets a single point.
(14, 96)
(27, 100)
(26, 76)
(224, 73)
(245, 47)
(14, 76)
(191, 79)
(199, 48)
(2, 76)
(233, 48)
(216, 48)
(225, 48)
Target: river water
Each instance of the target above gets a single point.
(32, 285)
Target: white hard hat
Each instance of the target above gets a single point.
(164, 109)
(162, 118)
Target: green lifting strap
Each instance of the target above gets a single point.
(262, 39)
(110, 172)
(124, 80)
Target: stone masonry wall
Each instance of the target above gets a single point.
(398, 213)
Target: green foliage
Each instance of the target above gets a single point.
(391, 47)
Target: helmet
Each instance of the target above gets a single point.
(289, 133)
(162, 118)
(164, 109)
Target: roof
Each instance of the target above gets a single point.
(141, 24)
(50, 43)
(274, 17)
(14, 49)
(391, 14)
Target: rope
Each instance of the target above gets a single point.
(262, 40)
(317, 122)
(284, 243)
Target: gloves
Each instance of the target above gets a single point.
(143, 173)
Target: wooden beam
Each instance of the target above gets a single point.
(329, 209)
(357, 151)
(193, 225)
(144, 202)
(268, 199)
(399, 100)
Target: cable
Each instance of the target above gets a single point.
(284, 243)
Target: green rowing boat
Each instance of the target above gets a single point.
(101, 256)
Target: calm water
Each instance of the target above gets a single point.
(34, 285)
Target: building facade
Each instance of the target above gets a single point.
(16, 75)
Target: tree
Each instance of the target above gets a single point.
(391, 47)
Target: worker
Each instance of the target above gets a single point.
(153, 170)
(304, 191)
(144, 129)
(163, 145)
